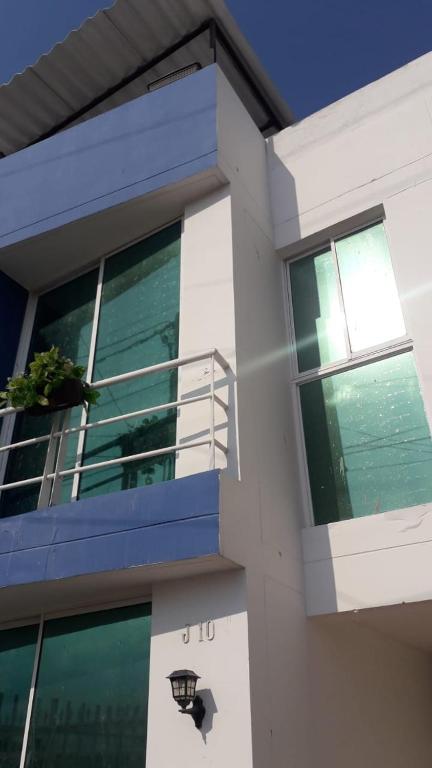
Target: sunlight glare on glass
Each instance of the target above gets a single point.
(318, 320)
(369, 289)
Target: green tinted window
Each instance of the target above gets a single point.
(371, 300)
(90, 706)
(367, 440)
(318, 320)
(17, 655)
(64, 318)
(138, 327)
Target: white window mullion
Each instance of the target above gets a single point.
(305, 486)
(31, 694)
(89, 377)
(292, 352)
(341, 301)
(370, 356)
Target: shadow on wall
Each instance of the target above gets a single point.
(208, 599)
(225, 430)
(285, 211)
(211, 709)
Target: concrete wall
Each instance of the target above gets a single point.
(353, 154)
(222, 663)
(207, 321)
(373, 561)
(231, 278)
(370, 698)
(369, 154)
(232, 299)
(261, 529)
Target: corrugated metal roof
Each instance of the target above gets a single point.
(109, 47)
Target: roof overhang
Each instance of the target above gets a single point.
(113, 57)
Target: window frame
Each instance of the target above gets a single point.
(375, 353)
(8, 425)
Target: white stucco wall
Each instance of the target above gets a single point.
(371, 151)
(222, 663)
(232, 299)
(261, 522)
(206, 322)
(370, 698)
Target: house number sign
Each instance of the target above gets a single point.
(205, 631)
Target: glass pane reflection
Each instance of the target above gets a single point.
(371, 299)
(138, 327)
(367, 440)
(318, 320)
(64, 318)
(90, 706)
(17, 654)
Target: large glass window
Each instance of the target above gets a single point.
(371, 300)
(136, 325)
(318, 317)
(367, 439)
(17, 655)
(91, 695)
(64, 318)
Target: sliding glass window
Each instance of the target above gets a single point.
(367, 440)
(91, 676)
(119, 317)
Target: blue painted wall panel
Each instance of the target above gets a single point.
(13, 299)
(162, 523)
(156, 140)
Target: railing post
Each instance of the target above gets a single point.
(46, 484)
(50, 481)
(212, 413)
(61, 454)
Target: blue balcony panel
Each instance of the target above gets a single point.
(157, 524)
(148, 144)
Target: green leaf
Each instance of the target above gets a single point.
(91, 395)
(47, 371)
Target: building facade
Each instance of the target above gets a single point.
(251, 497)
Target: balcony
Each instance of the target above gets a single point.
(161, 523)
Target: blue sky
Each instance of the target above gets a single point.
(316, 51)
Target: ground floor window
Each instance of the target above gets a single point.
(74, 691)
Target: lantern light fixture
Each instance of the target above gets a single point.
(183, 685)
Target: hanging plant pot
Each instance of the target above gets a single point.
(27, 390)
(69, 394)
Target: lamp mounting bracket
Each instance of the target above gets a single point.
(196, 711)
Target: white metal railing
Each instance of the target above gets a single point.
(53, 474)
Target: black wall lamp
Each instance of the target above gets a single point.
(183, 684)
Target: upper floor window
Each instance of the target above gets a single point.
(366, 436)
(117, 318)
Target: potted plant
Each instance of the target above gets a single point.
(52, 383)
